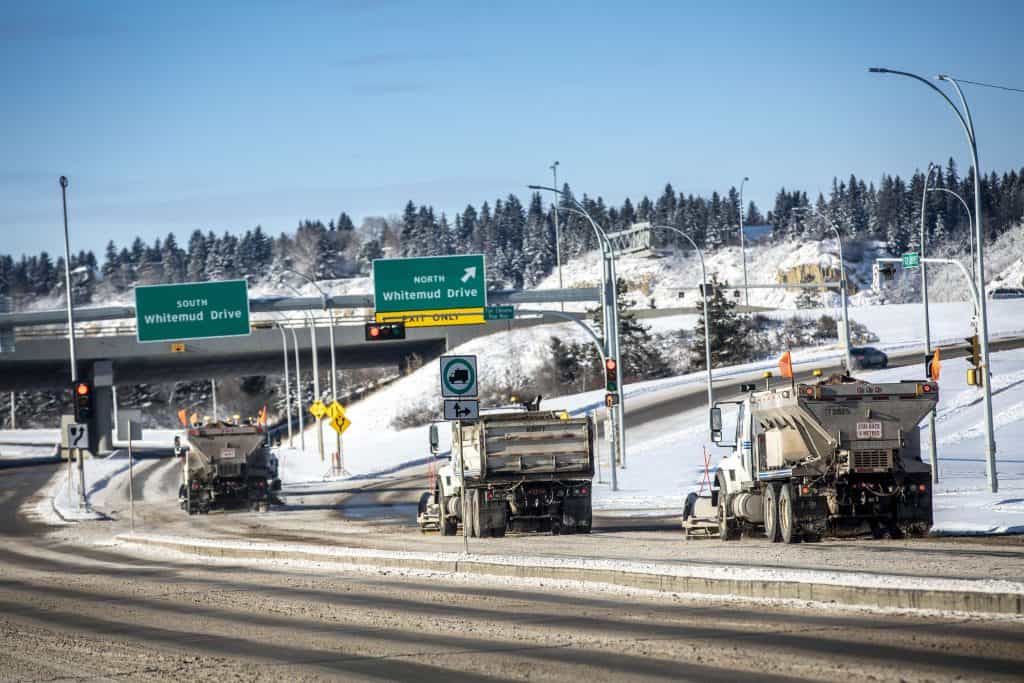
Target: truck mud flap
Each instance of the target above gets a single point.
(576, 515)
(809, 507)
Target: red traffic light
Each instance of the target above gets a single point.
(82, 389)
(379, 331)
(610, 364)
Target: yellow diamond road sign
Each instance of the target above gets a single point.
(340, 424)
(318, 409)
(336, 411)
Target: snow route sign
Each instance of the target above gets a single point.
(430, 291)
(196, 310)
(458, 377)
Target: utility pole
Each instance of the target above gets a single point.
(558, 233)
(82, 502)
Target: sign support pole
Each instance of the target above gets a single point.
(131, 481)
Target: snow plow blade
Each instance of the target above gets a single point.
(700, 517)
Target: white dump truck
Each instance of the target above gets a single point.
(524, 470)
(816, 459)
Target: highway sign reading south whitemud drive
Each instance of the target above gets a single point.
(195, 310)
(430, 290)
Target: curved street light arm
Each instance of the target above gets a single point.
(707, 318)
(931, 85)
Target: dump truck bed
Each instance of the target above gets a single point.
(529, 445)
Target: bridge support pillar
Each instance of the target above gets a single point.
(102, 428)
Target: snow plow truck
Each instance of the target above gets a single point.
(524, 470)
(838, 455)
(226, 464)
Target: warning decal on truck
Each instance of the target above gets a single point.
(869, 430)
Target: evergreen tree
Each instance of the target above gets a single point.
(729, 335)
(195, 269)
(538, 244)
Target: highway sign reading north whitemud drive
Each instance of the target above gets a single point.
(194, 310)
(430, 290)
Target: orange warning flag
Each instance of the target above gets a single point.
(936, 366)
(786, 365)
(263, 416)
(194, 418)
(181, 416)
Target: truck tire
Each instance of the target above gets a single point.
(477, 509)
(447, 526)
(726, 529)
(771, 513)
(787, 519)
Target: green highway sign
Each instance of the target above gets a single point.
(196, 310)
(429, 284)
(911, 259)
(499, 313)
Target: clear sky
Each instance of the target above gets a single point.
(223, 115)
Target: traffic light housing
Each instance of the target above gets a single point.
(611, 400)
(384, 331)
(973, 349)
(975, 377)
(81, 397)
(611, 376)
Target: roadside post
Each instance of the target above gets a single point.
(129, 428)
(459, 381)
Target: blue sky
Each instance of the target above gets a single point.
(176, 116)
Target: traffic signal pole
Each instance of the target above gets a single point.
(82, 502)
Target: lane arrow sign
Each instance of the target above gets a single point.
(469, 274)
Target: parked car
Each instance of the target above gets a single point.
(868, 357)
(1007, 293)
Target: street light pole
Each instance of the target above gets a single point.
(932, 450)
(743, 250)
(558, 233)
(334, 365)
(82, 502)
(287, 384)
(843, 285)
(298, 392)
(968, 125)
(970, 220)
(707, 318)
(609, 293)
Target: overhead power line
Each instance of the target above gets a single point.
(991, 85)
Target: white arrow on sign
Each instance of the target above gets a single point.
(469, 274)
(78, 435)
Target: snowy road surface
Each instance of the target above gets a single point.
(75, 607)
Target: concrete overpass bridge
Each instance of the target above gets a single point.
(39, 357)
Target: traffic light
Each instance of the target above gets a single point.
(611, 377)
(611, 400)
(82, 400)
(384, 331)
(973, 350)
(975, 377)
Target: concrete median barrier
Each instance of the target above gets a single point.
(1004, 598)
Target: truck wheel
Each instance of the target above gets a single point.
(787, 520)
(771, 513)
(480, 530)
(447, 526)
